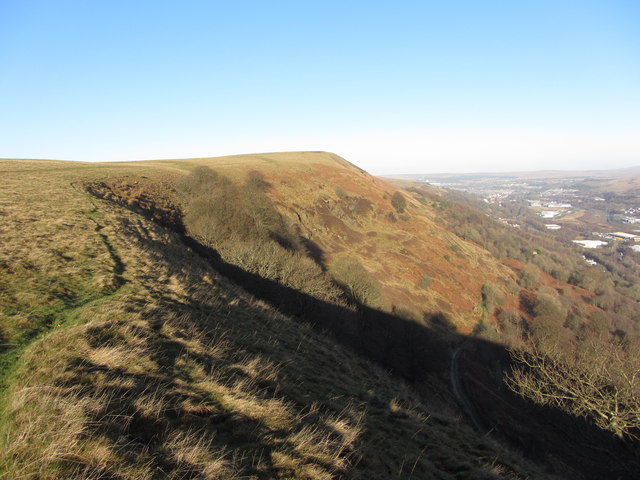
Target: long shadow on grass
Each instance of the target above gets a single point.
(143, 409)
(4, 341)
(566, 445)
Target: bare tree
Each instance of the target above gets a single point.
(600, 382)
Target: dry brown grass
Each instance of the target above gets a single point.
(171, 371)
(192, 451)
(304, 190)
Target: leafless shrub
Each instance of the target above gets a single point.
(601, 383)
(361, 286)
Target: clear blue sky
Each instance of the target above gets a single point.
(396, 87)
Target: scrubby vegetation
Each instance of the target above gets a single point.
(361, 287)
(593, 378)
(241, 223)
(574, 348)
(399, 202)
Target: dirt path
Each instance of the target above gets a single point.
(458, 389)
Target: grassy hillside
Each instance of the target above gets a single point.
(126, 355)
(345, 215)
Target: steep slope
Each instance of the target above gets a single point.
(574, 334)
(345, 215)
(126, 355)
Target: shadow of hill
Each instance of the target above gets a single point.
(405, 347)
(314, 252)
(567, 446)
(572, 446)
(328, 389)
(564, 443)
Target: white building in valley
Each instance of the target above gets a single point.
(590, 243)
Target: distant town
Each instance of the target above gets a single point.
(587, 209)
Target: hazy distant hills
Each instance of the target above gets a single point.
(530, 175)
